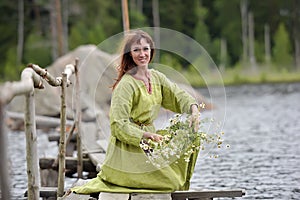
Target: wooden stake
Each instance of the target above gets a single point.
(78, 122)
(33, 173)
(125, 15)
(4, 179)
(62, 144)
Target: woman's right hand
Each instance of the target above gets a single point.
(153, 136)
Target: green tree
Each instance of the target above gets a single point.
(282, 48)
(137, 19)
(201, 33)
(224, 20)
(11, 69)
(8, 29)
(37, 50)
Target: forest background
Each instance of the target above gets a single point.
(250, 41)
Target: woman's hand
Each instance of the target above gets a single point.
(195, 117)
(153, 136)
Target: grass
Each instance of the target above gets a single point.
(240, 76)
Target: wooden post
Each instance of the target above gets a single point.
(78, 121)
(29, 80)
(4, 180)
(62, 144)
(125, 15)
(33, 173)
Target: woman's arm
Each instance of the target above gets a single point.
(175, 98)
(121, 126)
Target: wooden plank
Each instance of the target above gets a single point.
(178, 195)
(54, 137)
(90, 146)
(89, 137)
(207, 194)
(41, 121)
(71, 164)
(144, 196)
(103, 144)
(97, 159)
(47, 192)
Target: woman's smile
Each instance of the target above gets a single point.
(140, 53)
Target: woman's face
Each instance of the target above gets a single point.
(141, 52)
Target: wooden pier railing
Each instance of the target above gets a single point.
(30, 79)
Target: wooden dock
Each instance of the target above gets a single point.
(94, 146)
(51, 192)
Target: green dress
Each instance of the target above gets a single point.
(126, 168)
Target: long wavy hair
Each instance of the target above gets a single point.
(126, 62)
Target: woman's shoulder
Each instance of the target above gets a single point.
(125, 82)
(155, 72)
(161, 77)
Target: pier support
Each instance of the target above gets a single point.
(31, 148)
(4, 180)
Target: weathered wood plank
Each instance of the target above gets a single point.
(141, 196)
(47, 192)
(97, 159)
(207, 194)
(89, 144)
(71, 164)
(103, 144)
(41, 121)
(178, 195)
(54, 137)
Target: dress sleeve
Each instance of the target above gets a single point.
(174, 98)
(121, 126)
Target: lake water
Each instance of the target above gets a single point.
(262, 127)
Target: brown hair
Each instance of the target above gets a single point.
(127, 62)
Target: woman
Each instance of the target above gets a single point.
(138, 94)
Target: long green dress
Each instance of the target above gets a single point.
(126, 168)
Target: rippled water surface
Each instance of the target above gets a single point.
(262, 127)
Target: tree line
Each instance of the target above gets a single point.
(236, 33)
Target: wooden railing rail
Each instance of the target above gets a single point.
(30, 79)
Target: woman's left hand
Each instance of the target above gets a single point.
(195, 117)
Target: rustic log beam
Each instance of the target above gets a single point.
(208, 194)
(71, 164)
(54, 81)
(29, 81)
(41, 121)
(54, 137)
